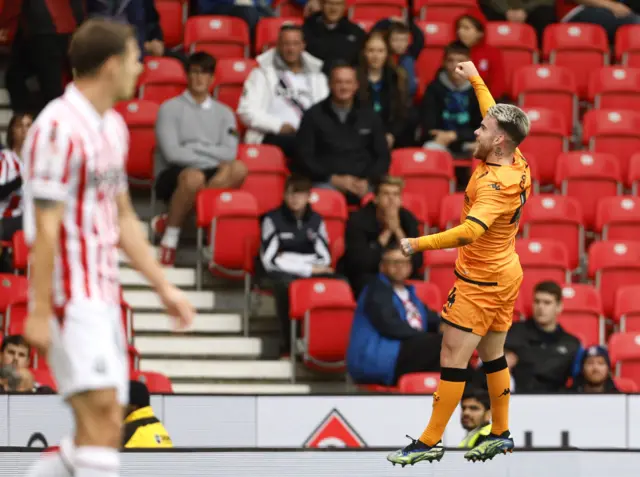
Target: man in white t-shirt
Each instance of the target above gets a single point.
(287, 82)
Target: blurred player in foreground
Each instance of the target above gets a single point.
(479, 307)
(76, 204)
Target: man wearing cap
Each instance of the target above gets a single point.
(594, 372)
(142, 429)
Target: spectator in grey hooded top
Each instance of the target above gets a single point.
(197, 143)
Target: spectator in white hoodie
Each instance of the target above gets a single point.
(287, 82)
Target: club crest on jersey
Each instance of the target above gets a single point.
(495, 186)
(110, 177)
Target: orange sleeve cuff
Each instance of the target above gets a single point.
(463, 234)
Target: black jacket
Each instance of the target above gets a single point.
(363, 252)
(394, 104)
(326, 146)
(330, 44)
(293, 246)
(450, 108)
(545, 360)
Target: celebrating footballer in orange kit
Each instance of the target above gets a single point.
(479, 308)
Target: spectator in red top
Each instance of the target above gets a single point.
(39, 48)
(470, 29)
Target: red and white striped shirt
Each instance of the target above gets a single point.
(74, 155)
(10, 170)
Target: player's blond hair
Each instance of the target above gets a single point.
(512, 120)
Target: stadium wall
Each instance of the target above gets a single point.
(584, 421)
(332, 463)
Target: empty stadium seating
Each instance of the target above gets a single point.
(428, 293)
(442, 10)
(437, 35)
(229, 79)
(451, 210)
(439, 268)
(376, 10)
(582, 313)
(613, 264)
(418, 383)
(324, 309)
(614, 87)
(426, 173)
(220, 36)
(556, 217)
(618, 218)
(624, 350)
(627, 308)
(161, 79)
(541, 260)
(588, 177)
(627, 45)
(518, 44)
(156, 383)
(267, 174)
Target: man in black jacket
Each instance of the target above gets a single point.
(341, 144)
(294, 245)
(331, 36)
(544, 352)
(371, 229)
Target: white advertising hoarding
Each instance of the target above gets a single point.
(586, 421)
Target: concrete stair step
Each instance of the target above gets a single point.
(218, 369)
(203, 323)
(178, 346)
(180, 277)
(240, 388)
(148, 300)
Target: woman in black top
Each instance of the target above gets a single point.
(385, 87)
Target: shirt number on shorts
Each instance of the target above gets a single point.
(451, 299)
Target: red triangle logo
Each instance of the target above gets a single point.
(334, 431)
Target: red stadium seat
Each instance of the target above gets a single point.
(267, 174)
(418, 383)
(134, 358)
(627, 308)
(517, 42)
(332, 206)
(220, 36)
(20, 252)
(43, 377)
(126, 314)
(588, 177)
(15, 316)
(228, 215)
(229, 79)
(624, 350)
(442, 10)
(13, 288)
(440, 265)
(541, 260)
(156, 383)
(417, 205)
(161, 79)
(428, 293)
(613, 264)
(613, 131)
(173, 14)
(614, 87)
(363, 23)
(618, 218)
(626, 386)
(556, 217)
(549, 137)
(582, 313)
(451, 210)
(377, 9)
(287, 9)
(436, 37)
(268, 29)
(426, 173)
(581, 47)
(325, 307)
(140, 117)
(547, 86)
(628, 45)
(633, 179)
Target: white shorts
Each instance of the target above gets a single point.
(89, 350)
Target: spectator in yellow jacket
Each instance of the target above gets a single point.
(142, 429)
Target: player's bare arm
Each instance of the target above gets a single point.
(138, 249)
(464, 234)
(48, 215)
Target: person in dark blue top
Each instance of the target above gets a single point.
(393, 332)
